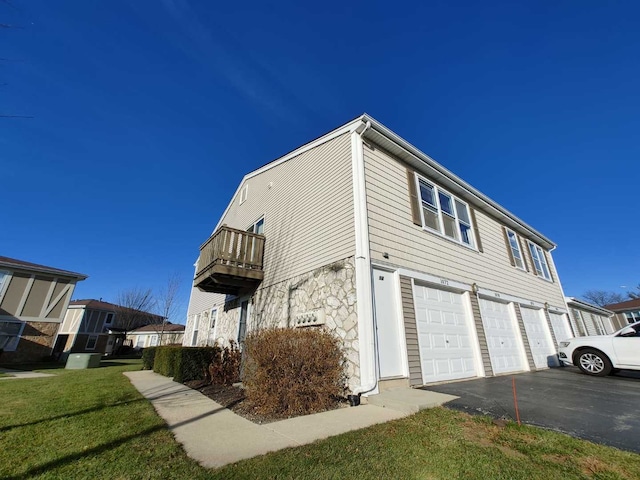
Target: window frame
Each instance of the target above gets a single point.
(17, 335)
(5, 279)
(196, 329)
(213, 319)
(513, 253)
(95, 343)
(244, 193)
(542, 259)
(109, 318)
(253, 227)
(437, 190)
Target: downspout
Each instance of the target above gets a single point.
(364, 288)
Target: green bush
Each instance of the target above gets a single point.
(293, 371)
(148, 356)
(183, 363)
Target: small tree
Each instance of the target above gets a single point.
(133, 307)
(167, 304)
(602, 297)
(636, 294)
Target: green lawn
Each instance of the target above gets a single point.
(92, 424)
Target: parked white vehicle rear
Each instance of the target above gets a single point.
(600, 355)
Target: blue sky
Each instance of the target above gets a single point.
(148, 113)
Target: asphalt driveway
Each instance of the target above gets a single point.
(600, 409)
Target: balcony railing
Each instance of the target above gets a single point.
(230, 262)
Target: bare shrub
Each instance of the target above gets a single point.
(291, 372)
(225, 366)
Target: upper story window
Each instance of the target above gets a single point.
(108, 319)
(257, 227)
(632, 317)
(539, 261)
(516, 252)
(243, 193)
(445, 213)
(4, 278)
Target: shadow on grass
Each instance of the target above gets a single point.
(74, 457)
(29, 367)
(79, 412)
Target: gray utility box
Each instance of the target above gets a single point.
(83, 360)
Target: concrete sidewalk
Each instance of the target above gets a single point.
(215, 436)
(22, 374)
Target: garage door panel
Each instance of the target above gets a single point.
(502, 337)
(446, 348)
(560, 326)
(539, 337)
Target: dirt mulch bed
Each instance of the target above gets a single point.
(233, 398)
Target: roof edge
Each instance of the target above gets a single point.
(591, 306)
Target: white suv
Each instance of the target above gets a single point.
(600, 355)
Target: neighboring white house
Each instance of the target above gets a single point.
(154, 335)
(590, 319)
(423, 277)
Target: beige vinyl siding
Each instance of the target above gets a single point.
(411, 331)
(525, 339)
(13, 295)
(201, 301)
(392, 231)
(482, 338)
(307, 203)
(37, 296)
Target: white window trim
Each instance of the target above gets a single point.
(86, 346)
(437, 189)
(211, 318)
(523, 267)
(252, 228)
(542, 258)
(109, 315)
(244, 193)
(196, 330)
(4, 283)
(18, 335)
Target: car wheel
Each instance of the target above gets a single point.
(593, 362)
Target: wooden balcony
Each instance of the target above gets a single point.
(230, 262)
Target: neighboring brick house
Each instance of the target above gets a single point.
(625, 312)
(422, 277)
(33, 301)
(94, 326)
(155, 335)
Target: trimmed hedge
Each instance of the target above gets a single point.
(184, 363)
(148, 357)
(293, 371)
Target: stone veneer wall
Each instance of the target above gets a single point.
(35, 343)
(330, 288)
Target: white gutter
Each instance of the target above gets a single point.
(364, 289)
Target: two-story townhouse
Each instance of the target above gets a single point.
(95, 326)
(33, 300)
(588, 319)
(625, 312)
(424, 278)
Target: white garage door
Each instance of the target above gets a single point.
(540, 343)
(560, 326)
(445, 335)
(505, 346)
